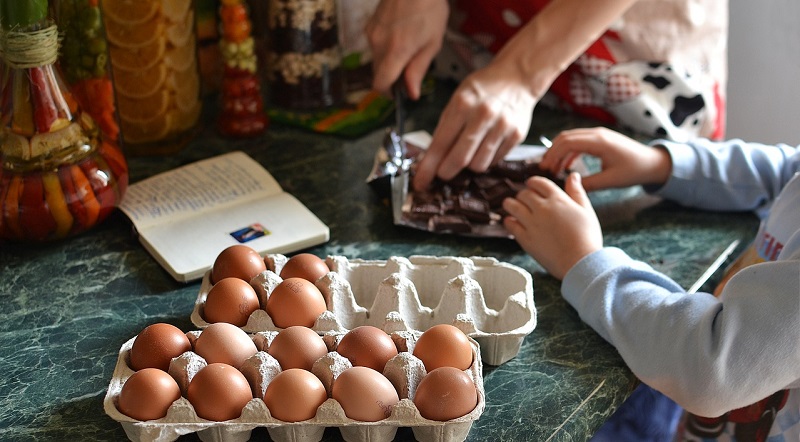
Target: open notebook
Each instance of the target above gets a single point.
(186, 216)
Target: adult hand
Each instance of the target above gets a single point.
(557, 228)
(624, 161)
(489, 113)
(404, 36)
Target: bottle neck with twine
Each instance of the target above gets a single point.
(35, 49)
(29, 48)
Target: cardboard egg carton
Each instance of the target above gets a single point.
(491, 301)
(405, 371)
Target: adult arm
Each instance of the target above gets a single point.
(490, 111)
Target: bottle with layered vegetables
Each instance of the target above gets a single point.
(60, 175)
(242, 113)
(152, 46)
(83, 60)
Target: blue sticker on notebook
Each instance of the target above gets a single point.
(250, 233)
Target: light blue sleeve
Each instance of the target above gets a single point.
(708, 355)
(731, 175)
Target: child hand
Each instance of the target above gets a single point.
(625, 161)
(557, 228)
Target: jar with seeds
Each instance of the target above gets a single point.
(304, 56)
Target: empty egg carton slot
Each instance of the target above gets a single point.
(490, 300)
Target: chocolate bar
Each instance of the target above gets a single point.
(471, 202)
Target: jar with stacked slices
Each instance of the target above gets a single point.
(152, 46)
(60, 175)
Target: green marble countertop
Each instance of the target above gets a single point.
(67, 307)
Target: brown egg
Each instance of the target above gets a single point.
(294, 395)
(364, 394)
(305, 265)
(297, 347)
(156, 345)
(226, 343)
(295, 301)
(444, 345)
(367, 346)
(445, 393)
(219, 392)
(148, 394)
(230, 300)
(237, 261)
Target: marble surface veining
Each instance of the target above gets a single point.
(67, 307)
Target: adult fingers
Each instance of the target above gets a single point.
(417, 67)
(443, 137)
(488, 149)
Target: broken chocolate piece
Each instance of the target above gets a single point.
(449, 223)
(485, 181)
(425, 210)
(515, 170)
(496, 194)
(473, 209)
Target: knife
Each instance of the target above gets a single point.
(398, 153)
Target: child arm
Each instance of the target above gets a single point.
(709, 355)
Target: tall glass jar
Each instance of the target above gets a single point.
(84, 60)
(304, 57)
(59, 175)
(152, 45)
(242, 113)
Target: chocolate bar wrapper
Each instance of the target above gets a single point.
(471, 203)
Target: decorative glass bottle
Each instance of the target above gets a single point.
(153, 51)
(242, 104)
(59, 176)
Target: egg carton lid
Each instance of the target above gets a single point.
(491, 301)
(181, 418)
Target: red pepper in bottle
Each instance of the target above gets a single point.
(102, 185)
(83, 190)
(117, 164)
(74, 205)
(11, 208)
(45, 113)
(36, 220)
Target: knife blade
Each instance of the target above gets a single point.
(399, 152)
